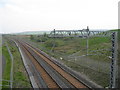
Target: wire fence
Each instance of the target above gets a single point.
(95, 56)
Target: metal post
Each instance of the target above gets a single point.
(54, 33)
(113, 71)
(87, 42)
(53, 42)
(87, 46)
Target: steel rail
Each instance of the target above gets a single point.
(46, 77)
(37, 75)
(55, 75)
(76, 83)
(84, 81)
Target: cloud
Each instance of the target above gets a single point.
(21, 15)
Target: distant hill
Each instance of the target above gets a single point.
(42, 32)
(32, 33)
(48, 32)
(115, 30)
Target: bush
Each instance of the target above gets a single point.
(43, 39)
(50, 43)
(31, 37)
(38, 40)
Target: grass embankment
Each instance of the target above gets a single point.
(20, 77)
(7, 69)
(96, 76)
(1, 63)
(0, 50)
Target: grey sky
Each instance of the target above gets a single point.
(36, 15)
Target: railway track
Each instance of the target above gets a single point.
(51, 75)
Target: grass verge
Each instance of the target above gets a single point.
(20, 76)
(6, 74)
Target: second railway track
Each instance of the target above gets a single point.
(52, 75)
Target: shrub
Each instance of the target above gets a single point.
(50, 43)
(42, 39)
(31, 37)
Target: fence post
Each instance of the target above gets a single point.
(114, 66)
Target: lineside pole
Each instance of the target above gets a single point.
(53, 42)
(87, 45)
(87, 41)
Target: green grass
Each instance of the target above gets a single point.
(20, 77)
(94, 75)
(98, 40)
(6, 74)
(0, 50)
(0, 55)
(68, 46)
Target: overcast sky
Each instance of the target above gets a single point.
(36, 15)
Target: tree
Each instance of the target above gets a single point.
(31, 37)
(45, 35)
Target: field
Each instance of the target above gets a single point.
(7, 69)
